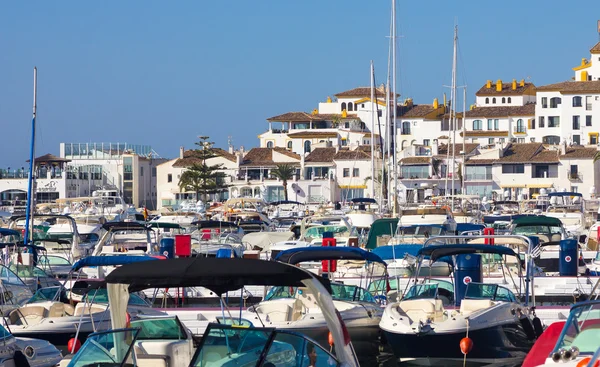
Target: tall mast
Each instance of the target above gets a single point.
(453, 115)
(30, 193)
(464, 167)
(394, 109)
(373, 107)
(388, 120)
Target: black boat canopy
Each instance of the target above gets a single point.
(123, 226)
(217, 274)
(302, 254)
(437, 251)
(215, 224)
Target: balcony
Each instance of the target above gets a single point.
(479, 177)
(575, 176)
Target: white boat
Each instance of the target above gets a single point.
(568, 208)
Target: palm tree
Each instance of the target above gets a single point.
(597, 157)
(192, 180)
(284, 172)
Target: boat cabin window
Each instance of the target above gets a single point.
(489, 291)
(45, 261)
(533, 230)
(340, 292)
(9, 277)
(48, 294)
(422, 291)
(26, 271)
(317, 232)
(101, 296)
(159, 328)
(582, 329)
(421, 231)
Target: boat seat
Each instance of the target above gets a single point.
(555, 237)
(307, 298)
(27, 315)
(151, 360)
(87, 309)
(543, 238)
(421, 309)
(297, 311)
(69, 309)
(214, 353)
(57, 310)
(468, 306)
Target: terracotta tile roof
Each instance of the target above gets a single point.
(491, 133)
(502, 111)
(545, 156)
(580, 153)
(363, 152)
(291, 117)
(192, 156)
(331, 116)
(480, 162)
(595, 49)
(363, 92)
(415, 161)
(592, 86)
(419, 110)
(320, 155)
(520, 153)
(506, 89)
(469, 148)
(48, 158)
(264, 156)
(313, 134)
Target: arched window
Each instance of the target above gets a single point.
(269, 144)
(289, 144)
(477, 124)
(494, 100)
(487, 100)
(503, 100)
(554, 102)
(350, 106)
(403, 146)
(343, 106)
(405, 128)
(307, 146)
(509, 100)
(577, 101)
(520, 126)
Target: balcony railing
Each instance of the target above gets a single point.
(575, 176)
(479, 177)
(405, 132)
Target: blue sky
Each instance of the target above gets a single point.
(162, 73)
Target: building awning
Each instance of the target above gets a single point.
(539, 186)
(353, 186)
(512, 186)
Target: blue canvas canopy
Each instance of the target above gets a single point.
(302, 254)
(9, 232)
(467, 227)
(437, 251)
(396, 251)
(110, 261)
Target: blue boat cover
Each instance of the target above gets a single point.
(111, 260)
(464, 227)
(437, 251)
(396, 251)
(9, 232)
(302, 254)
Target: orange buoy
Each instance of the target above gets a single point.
(466, 344)
(73, 345)
(584, 362)
(127, 320)
(330, 339)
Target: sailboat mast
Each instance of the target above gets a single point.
(373, 107)
(30, 193)
(453, 115)
(464, 155)
(394, 109)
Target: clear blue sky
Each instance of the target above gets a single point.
(162, 73)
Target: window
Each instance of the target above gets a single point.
(426, 142)
(490, 124)
(541, 121)
(588, 120)
(574, 171)
(520, 126)
(355, 172)
(494, 100)
(477, 125)
(503, 100)
(141, 171)
(478, 173)
(551, 139)
(307, 146)
(532, 140)
(405, 128)
(577, 101)
(346, 172)
(347, 125)
(554, 102)
(577, 139)
(576, 123)
(289, 144)
(553, 121)
(414, 172)
(593, 139)
(269, 144)
(532, 123)
(491, 141)
(496, 124)
(343, 106)
(509, 101)
(513, 168)
(350, 106)
(520, 140)
(344, 142)
(544, 102)
(502, 140)
(588, 103)
(487, 100)
(153, 171)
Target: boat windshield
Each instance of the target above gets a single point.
(489, 291)
(317, 232)
(109, 348)
(225, 345)
(26, 271)
(533, 230)
(159, 329)
(423, 231)
(50, 260)
(340, 292)
(101, 296)
(47, 294)
(422, 291)
(582, 329)
(9, 277)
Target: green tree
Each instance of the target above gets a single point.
(284, 172)
(200, 177)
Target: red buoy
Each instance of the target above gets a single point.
(330, 339)
(127, 320)
(466, 344)
(73, 345)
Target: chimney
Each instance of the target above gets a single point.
(181, 150)
(435, 149)
(444, 99)
(514, 84)
(488, 84)
(563, 148)
(499, 85)
(337, 148)
(522, 83)
(436, 104)
(230, 149)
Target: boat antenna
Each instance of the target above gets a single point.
(28, 214)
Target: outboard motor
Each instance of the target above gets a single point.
(568, 257)
(467, 269)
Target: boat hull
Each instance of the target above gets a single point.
(507, 343)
